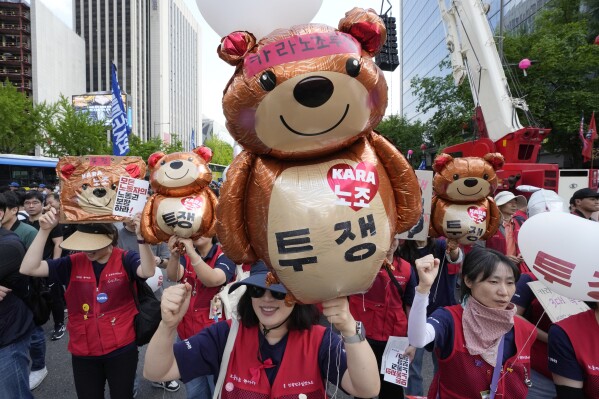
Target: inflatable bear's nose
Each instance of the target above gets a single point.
(99, 192)
(313, 91)
(470, 182)
(176, 164)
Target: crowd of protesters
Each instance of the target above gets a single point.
(475, 313)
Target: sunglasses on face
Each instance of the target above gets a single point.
(258, 292)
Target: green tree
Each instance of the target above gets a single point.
(70, 132)
(563, 81)
(144, 149)
(222, 152)
(19, 122)
(450, 107)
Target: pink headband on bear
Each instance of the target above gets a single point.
(300, 47)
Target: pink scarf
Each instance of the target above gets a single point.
(483, 328)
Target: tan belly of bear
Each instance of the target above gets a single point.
(328, 223)
(180, 216)
(466, 223)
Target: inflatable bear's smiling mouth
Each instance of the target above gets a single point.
(319, 133)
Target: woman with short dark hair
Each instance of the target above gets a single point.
(279, 349)
(482, 349)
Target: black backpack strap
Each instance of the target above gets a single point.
(388, 267)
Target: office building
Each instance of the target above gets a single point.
(15, 44)
(175, 79)
(117, 31)
(423, 39)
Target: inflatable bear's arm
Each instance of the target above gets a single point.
(435, 213)
(408, 199)
(230, 212)
(494, 219)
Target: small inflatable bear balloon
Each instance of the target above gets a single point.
(463, 208)
(317, 194)
(182, 203)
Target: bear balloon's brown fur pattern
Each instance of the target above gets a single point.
(182, 203)
(317, 194)
(463, 208)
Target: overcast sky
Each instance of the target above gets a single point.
(216, 73)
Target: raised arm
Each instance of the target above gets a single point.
(408, 199)
(361, 378)
(419, 333)
(160, 363)
(33, 264)
(208, 276)
(147, 268)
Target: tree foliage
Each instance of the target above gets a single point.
(222, 152)
(69, 132)
(405, 135)
(144, 149)
(451, 106)
(19, 121)
(562, 83)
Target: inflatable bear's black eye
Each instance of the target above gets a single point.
(456, 176)
(113, 187)
(268, 80)
(485, 176)
(162, 162)
(352, 66)
(85, 186)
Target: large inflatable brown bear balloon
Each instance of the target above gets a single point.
(317, 194)
(463, 208)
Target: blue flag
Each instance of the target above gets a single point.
(422, 165)
(193, 139)
(120, 128)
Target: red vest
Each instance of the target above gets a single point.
(198, 314)
(100, 317)
(380, 309)
(583, 331)
(299, 372)
(498, 243)
(463, 376)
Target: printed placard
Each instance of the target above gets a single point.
(420, 230)
(131, 196)
(395, 366)
(556, 306)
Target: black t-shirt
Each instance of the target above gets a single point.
(49, 247)
(16, 319)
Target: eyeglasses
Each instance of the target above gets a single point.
(32, 203)
(258, 292)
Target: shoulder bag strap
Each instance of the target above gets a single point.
(224, 364)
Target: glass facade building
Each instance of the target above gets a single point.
(423, 39)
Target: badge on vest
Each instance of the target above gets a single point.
(485, 394)
(102, 297)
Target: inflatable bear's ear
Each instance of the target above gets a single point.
(67, 170)
(154, 158)
(133, 170)
(234, 47)
(441, 161)
(495, 159)
(204, 152)
(366, 27)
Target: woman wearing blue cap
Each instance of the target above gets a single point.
(278, 349)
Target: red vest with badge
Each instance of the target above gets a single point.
(299, 371)
(198, 314)
(583, 331)
(381, 308)
(463, 376)
(100, 317)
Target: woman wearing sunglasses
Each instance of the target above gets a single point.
(279, 349)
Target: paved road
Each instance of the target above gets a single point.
(59, 382)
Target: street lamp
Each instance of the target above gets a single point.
(159, 123)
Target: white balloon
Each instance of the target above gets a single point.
(259, 17)
(561, 250)
(155, 282)
(527, 189)
(545, 201)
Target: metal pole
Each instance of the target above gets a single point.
(501, 31)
